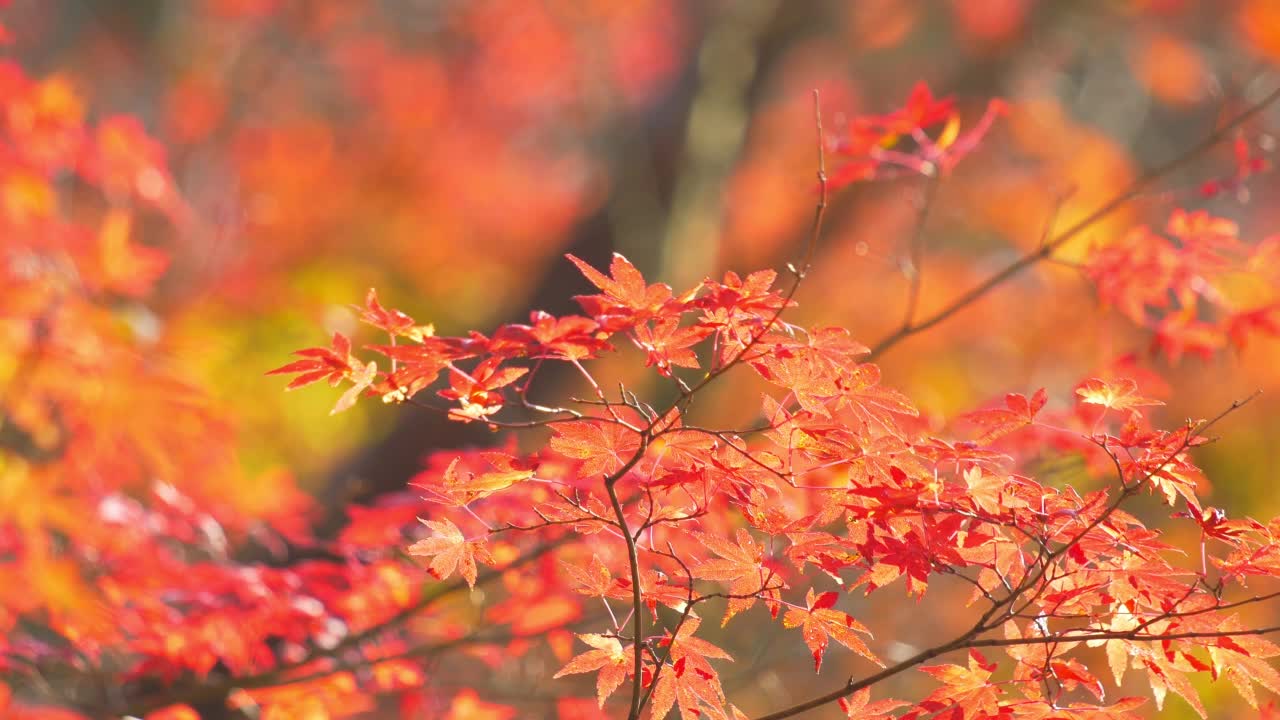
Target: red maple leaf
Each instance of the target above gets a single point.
(572, 337)
(689, 680)
(477, 391)
(666, 343)
(1018, 412)
(874, 140)
(625, 298)
(332, 363)
(819, 622)
(392, 321)
(750, 296)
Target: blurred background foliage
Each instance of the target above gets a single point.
(449, 152)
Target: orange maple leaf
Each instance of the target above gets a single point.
(984, 489)
(1243, 659)
(967, 687)
(739, 567)
(602, 446)
(594, 580)
(451, 550)
(690, 681)
(609, 657)
(858, 705)
(459, 488)
(819, 622)
(1118, 394)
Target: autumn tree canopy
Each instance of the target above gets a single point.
(936, 411)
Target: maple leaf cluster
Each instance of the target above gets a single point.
(899, 142)
(126, 553)
(1197, 286)
(840, 479)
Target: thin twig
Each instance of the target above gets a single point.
(800, 271)
(1045, 250)
(916, 249)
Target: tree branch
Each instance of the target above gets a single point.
(633, 558)
(1047, 249)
